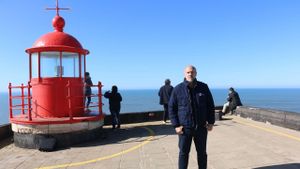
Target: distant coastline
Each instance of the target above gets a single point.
(140, 100)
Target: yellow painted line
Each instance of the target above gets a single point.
(106, 157)
(267, 129)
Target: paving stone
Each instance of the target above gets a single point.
(230, 145)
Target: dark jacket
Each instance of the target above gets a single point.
(164, 94)
(234, 100)
(114, 101)
(88, 84)
(180, 107)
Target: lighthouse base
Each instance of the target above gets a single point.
(52, 136)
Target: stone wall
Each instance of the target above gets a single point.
(139, 117)
(280, 118)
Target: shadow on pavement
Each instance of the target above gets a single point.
(129, 135)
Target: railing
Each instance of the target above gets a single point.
(98, 104)
(23, 102)
(22, 107)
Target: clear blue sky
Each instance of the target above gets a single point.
(136, 44)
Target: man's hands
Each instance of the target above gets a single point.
(209, 127)
(179, 130)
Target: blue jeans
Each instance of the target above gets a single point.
(115, 118)
(166, 112)
(185, 140)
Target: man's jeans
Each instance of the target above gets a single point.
(166, 112)
(199, 136)
(115, 118)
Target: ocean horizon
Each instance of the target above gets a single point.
(143, 100)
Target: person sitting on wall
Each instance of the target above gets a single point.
(233, 100)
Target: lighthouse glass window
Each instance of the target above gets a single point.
(34, 65)
(70, 63)
(50, 64)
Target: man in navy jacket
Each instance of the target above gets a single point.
(191, 111)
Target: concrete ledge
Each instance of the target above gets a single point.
(51, 136)
(136, 117)
(280, 118)
(55, 128)
(139, 117)
(37, 141)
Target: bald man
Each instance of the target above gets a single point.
(191, 111)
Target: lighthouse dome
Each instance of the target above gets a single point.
(57, 40)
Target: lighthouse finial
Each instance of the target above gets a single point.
(57, 8)
(58, 22)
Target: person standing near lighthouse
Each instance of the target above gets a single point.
(88, 90)
(115, 99)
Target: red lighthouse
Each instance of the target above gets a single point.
(52, 104)
(57, 59)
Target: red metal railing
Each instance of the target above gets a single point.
(23, 102)
(21, 107)
(98, 103)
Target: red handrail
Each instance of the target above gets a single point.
(22, 93)
(69, 100)
(26, 101)
(99, 96)
(29, 102)
(22, 106)
(10, 101)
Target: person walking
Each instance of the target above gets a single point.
(164, 97)
(115, 99)
(191, 111)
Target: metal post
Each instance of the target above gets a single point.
(30, 66)
(79, 60)
(84, 62)
(39, 66)
(60, 65)
(29, 102)
(100, 98)
(22, 97)
(10, 101)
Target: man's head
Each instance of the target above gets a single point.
(114, 89)
(231, 89)
(190, 73)
(167, 81)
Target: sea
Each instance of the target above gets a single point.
(148, 100)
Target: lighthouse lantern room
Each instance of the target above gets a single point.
(53, 102)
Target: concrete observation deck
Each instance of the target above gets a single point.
(235, 143)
